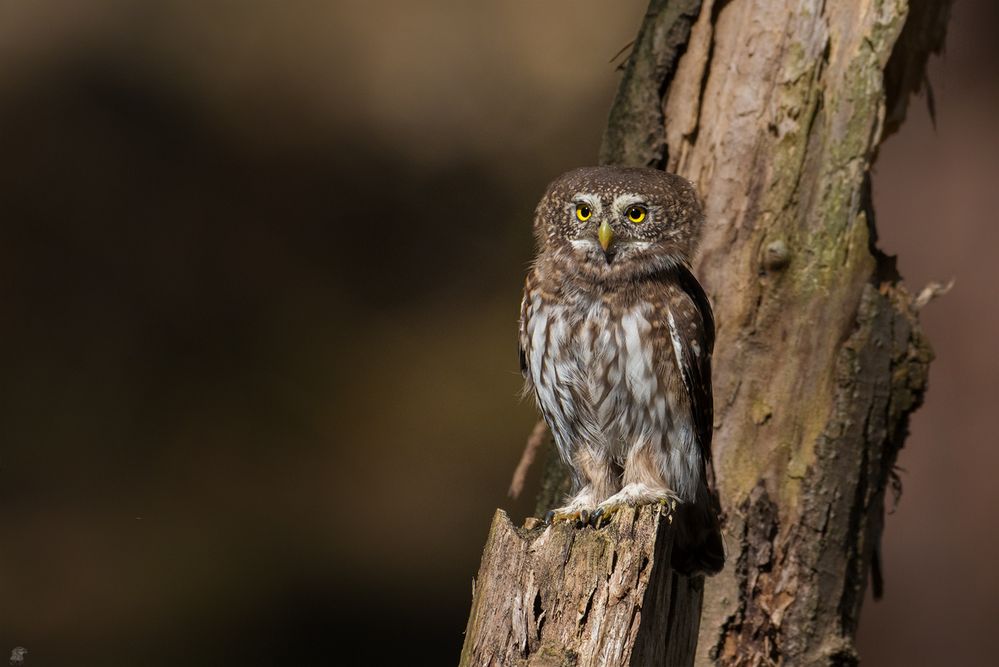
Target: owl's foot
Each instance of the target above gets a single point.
(578, 517)
(578, 512)
(631, 496)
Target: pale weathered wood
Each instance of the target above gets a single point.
(567, 596)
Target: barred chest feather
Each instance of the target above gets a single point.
(599, 383)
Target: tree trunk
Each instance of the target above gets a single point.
(774, 109)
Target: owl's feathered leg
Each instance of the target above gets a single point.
(643, 485)
(599, 478)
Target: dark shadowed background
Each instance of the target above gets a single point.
(260, 266)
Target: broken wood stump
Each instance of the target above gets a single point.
(563, 596)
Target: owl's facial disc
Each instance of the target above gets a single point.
(611, 225)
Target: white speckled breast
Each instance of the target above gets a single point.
(597, 385)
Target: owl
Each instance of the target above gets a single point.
(616, 336)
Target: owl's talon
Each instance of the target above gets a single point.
(667, 508)
(663, 501)
(578, 518)
(606, 513)
(667, 505)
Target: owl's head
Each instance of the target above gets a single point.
(618, 222)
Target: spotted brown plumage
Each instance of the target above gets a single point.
(616, 337)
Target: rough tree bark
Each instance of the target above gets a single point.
(774, 109)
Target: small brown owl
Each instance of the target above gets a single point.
(616, 337)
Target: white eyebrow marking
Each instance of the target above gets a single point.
(583, 197)
(622, 202)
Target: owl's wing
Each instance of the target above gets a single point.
(529, 287)
(692, 334)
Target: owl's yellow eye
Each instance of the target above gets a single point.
(583, 212)
(637, 214)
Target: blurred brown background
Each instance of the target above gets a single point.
(260, 266)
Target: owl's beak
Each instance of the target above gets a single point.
(605, 235)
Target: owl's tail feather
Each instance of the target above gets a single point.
(697, 546)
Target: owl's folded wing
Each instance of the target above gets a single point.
(692, 334)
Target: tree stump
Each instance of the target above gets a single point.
(562, 596)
